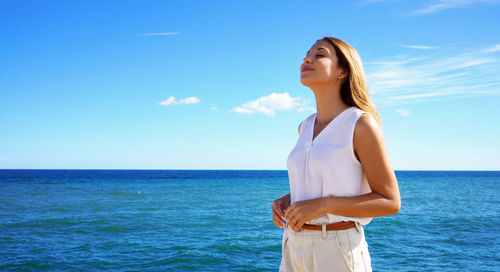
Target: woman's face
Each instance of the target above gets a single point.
(323, 62)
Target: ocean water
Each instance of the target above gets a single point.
(190, 220)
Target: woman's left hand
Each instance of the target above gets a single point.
(302, 211)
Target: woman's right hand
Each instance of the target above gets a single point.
(279, 207)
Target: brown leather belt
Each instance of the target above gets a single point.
(335, 226)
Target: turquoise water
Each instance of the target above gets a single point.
(176, 220)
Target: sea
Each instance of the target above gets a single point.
(220, 220)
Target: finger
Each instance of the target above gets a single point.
(294, 225)
(291, 223)
(276, 215)
(298, 225)
(280, 209)
(280, 223)
(290, 212)
(273, 206)
(276, 210)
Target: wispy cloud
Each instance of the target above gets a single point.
(473, 63)
(433, 75)
(494, 48)
(159, 34)
(440, 5)
(421, 47)
(367, 2)
(403, 112)
(434, 6)
(272, 103)
(420, 95)
(171, 101)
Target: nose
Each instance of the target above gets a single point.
(307, 60)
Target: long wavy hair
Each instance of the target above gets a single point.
(354, 91)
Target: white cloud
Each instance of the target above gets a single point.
(171, 101)
(434, 6)
(493, 49)
(367, 2)
(305, 108)
(159, 34)
(214, 108)
(422, 47)
(268, 105)
(403, 112)
(421, 95)
(440, 5)
(190, 100)
(433, 75)
(473, 63)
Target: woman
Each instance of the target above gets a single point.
(339, 171)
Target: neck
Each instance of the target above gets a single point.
(328, 102)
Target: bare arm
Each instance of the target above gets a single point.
(383, 200)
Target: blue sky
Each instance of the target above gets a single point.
(216, 84)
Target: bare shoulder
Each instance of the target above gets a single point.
(367, 132)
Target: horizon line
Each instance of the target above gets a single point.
(130, 169)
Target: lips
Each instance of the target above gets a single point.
(306, 69)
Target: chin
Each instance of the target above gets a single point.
(303, 83)
(307, 82)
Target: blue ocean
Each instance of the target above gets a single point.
(211, 220)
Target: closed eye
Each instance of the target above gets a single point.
(318, 55)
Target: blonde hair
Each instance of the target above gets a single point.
(354, 91)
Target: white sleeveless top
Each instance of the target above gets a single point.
(327, 166)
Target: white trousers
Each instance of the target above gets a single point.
(325, 250)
